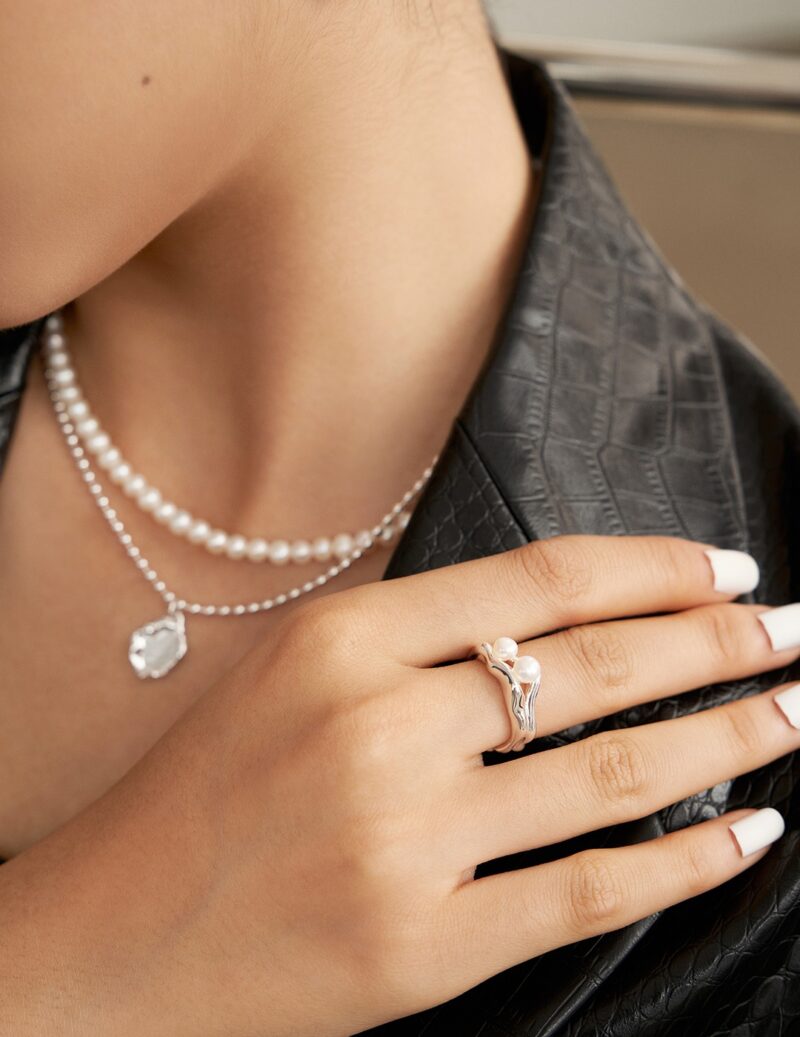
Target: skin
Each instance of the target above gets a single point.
(253, 182)
(344, 233)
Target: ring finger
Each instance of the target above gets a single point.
(616, 776)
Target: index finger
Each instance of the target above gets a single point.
(439, 615)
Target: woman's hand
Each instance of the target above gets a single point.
(296, 855)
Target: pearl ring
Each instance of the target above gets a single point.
(513, 671)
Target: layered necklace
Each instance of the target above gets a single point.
(158, 645)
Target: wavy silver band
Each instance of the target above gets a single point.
(519, 697)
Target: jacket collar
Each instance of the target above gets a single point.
(601, 407)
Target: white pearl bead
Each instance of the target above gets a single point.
(120, 472)
(165, 512)
(257, 549)
(134, 485)
(217, 541)
(527, 669)
(97, 444)
(505, 648)
(342, 545)
(279, 552)
(321, 549)
(53, 322)
(363, 539)
(150, 499)
(403, 519)
(66, 376)
(236, 546)
(181, 522)
(300, 551)
(109, 458)
(58, 358)
(69, 393)
(88, 427)
(55, 340)
(199, 532)
(78, 410)
(387, 533)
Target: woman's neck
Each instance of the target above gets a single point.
(297, 344)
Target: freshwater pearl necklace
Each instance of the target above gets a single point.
(155, 648)
(97, 442)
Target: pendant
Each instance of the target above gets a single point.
(156, 647)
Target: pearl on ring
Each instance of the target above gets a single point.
(527, 669)
(506, 648)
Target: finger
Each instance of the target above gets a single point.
(442, 614)
(514, 916)
(616, 776)
(598, 669)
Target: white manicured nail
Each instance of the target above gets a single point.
(788, 702)
(735, 572)
(757, 830)
(782, 624)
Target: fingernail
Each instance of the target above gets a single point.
(735, 572)
(788, 702)
(757, 830)
(782, 624)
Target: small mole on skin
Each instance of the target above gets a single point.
(145, 80)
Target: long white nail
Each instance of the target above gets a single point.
(782, 624)
(757, 830)
(788, 702)
(735, 572)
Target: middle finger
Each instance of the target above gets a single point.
(597, 669)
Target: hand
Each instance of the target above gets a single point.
(296, 856)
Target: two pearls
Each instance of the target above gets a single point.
(526, 668)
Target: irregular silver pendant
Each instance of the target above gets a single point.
(156, 647)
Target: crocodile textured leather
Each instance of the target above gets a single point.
(614, 402)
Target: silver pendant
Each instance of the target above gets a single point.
(156, 647)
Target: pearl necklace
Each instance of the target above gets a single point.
(97, 442)
(155, 648)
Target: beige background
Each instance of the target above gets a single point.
(773, 24)
(719, 191)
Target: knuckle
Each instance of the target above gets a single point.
(374, 844)
(699, 866)
(724, 633)
(558, 570)
(602, 656)
(595, 893)
(331, 626)
(668, 560)
(742, 731)
(617, 769)
(358, 735)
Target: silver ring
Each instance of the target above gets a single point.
(519, 677)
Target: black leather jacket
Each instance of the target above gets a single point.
(614, 402)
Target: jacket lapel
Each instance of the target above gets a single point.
(602, 408)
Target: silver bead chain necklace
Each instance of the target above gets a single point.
(155, 648)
